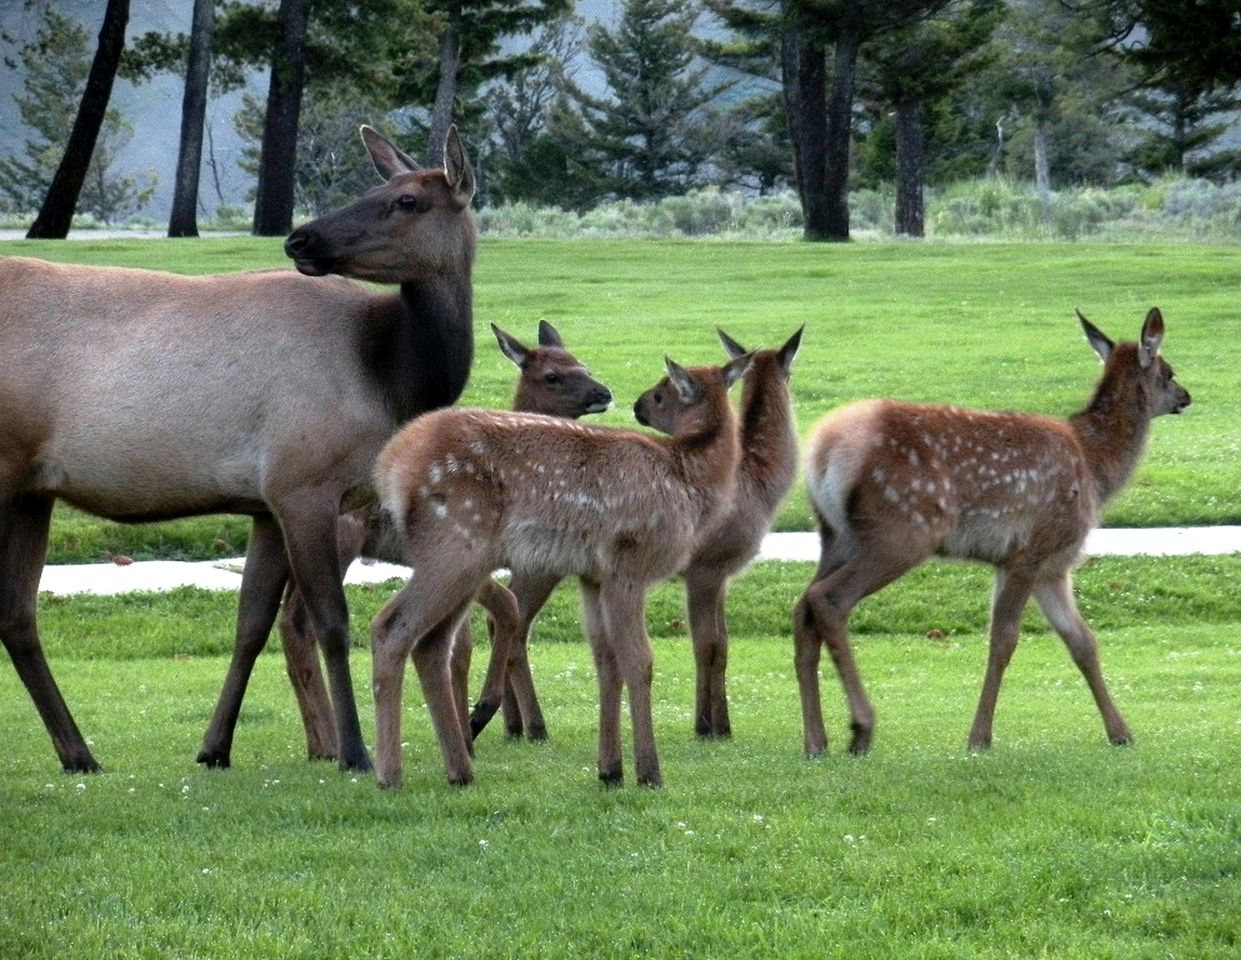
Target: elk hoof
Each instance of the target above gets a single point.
(537, 733)
(860, 744)
(611, 778)
(86, 764)
(358, 764)
(214, 759)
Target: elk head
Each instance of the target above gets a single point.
(553, 381)
(1141, 365)
(415, 226)
(682, 405)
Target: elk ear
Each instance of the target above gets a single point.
(1152, 337)
(548, 336)
(1097, 339)
(457, 169)
(731, 346)
(788, 352)
(510, 347)
(687, 388)
(737, 368)
(389, 160)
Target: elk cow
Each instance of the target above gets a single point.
(138, 395)
(894, 483)
(473, 490)
(552, 381)
(765, 474)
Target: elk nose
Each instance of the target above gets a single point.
(603, 397)
(638, 415)
(296, 244)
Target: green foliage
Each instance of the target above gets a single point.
(56, 62)
(642, 140)
(1053, 844)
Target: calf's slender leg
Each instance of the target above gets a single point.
(1055, 599)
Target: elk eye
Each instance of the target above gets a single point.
(657, 397)
(409, 203)
(552, 378)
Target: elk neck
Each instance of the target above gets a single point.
(710, 452)
(768, 438)
(422, 350)
(1113, 427)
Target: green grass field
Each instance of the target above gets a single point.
(1053, 844)
(985, 325)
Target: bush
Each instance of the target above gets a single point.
(989, 208)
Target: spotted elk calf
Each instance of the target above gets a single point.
(894, 483)
(552, 381)
(766, 472)
(473, 490)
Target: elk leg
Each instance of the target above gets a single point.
(532, 593)
(807, 645)
(309, 526)
(822, 617)
(505, 623)
(432, 656)
(1012, 590)
(419, 623)
(24, 523)
(705, 592)
(301, 655)
(1055, 599)
(460, 654)
(611, 766)
(262, 581)
(301, 659)
(625, 611)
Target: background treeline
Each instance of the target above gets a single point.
(1025, 117)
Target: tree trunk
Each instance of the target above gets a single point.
(62, 196)
(804, 68)
(840, 128)
(910, 169)
(446, 90)
(273, 202)
(184, 219)
(1042, 174)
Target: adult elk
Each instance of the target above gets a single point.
(473, 490)
(764, 475)
(140, 396)
(552, 381)
(893, 483)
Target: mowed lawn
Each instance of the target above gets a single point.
(984, 325)
(1052, 844)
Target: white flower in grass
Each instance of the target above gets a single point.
(484, 844)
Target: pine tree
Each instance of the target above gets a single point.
(643, 140)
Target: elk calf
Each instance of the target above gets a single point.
(894, 483)
(473, 490)
(765, 474)
(554, 382)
